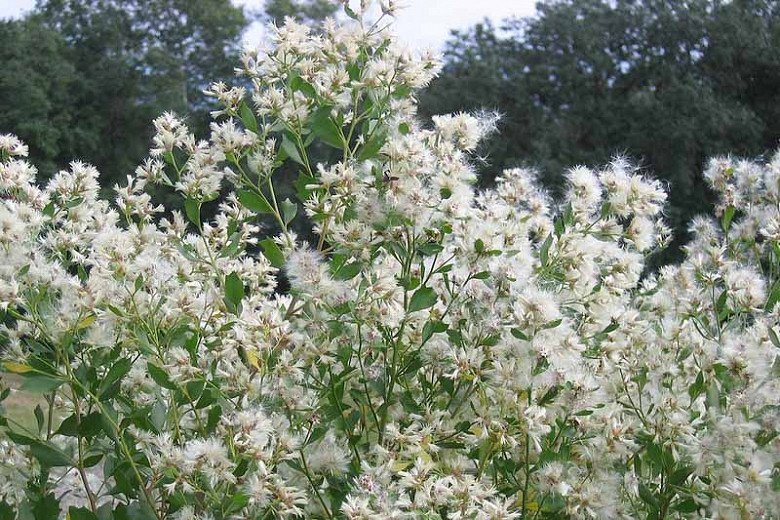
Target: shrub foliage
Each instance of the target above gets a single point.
(440, 353)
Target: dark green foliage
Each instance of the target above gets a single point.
(82, 79)
(669, 82)
(306, 11)
(35, 83)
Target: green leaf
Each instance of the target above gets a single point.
(656, 456)
(40, 384)
(234, 289)
(247, 117)
(117, 371)
(686, 506)
(213, 417)
(613, 326)
(301, 85)
(289, 210)
(74, 202)
(160, 377)
(371, 148)
(773, 337)
(541, 366)
(348, 271)
(49, 456)
(647, 496)
(403, 128)
(208, 397)
(140, 510)
(40, 508)
(549, 396)
(192, 209)
(232, 246)
(139, 283)
(552, 324)
(105, 512)
(169, 158)
(429, 249)
(402, 91)
(559, 227)
(720, 304)
(90, 425)
(326, 129)
(254, 202)
(80, 513)
(354, 71)
(302, 188)
(20, 439)
(38, 412)
(423, 298)
(272, 252)
(432, 327)
(774, 296)
(291, 150)
(350, 12)
(545, 250)
(697, 387)
(69, 426)
(238, 501)
(680, 475)
(728, 216)
(158, 415)
(519, 334)
(409, 283)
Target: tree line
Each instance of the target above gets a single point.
(665, 82)
(84, 78)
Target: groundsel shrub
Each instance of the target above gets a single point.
(440, 352)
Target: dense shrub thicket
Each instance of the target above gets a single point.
(440, 353)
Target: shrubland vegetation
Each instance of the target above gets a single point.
(436, 351)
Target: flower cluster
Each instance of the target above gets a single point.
(434, 352)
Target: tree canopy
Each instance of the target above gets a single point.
(668, 82)
(83, 78)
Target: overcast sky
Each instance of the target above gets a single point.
(423, 23)
(427, 23)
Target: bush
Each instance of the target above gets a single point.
(440, 353)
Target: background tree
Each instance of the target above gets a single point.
(36, 79)
(122, 63)
(306, 11)
(84, 78)
(669, 82)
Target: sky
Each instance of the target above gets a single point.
(422, 24)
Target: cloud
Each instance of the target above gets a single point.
(15, 8)
(427, 23)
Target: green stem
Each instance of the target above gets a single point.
(527, 461)
(314, 487)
